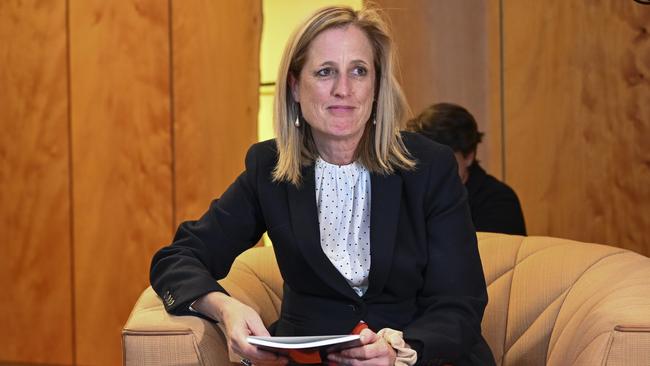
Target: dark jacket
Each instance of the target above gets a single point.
(425, 277)
(494, 206)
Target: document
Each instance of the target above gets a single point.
(328, 343)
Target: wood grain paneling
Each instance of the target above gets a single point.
(121, 138)
(35, 311)
(443, 57)
(216, 79)
(491, 152)
(577, 112)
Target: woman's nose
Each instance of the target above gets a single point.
(341, 87)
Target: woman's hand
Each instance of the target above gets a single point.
(239, 321)
(374, 351)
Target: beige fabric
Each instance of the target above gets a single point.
(498, 254)
(151, 329)
(629, 347)
(406, 356)
(552, 302)
(164, 349)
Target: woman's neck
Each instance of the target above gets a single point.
(339, 152)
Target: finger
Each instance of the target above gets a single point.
(260, 357)
(338, 360)
(379, 348)
(368, 336)
(356, 353)
(252, 327)
(257, 328)
(371, 344)
(256, 354)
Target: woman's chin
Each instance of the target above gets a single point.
(344, 134)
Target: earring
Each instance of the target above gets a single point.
(374, 121)
(297, 121)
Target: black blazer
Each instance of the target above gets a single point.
(425, 277)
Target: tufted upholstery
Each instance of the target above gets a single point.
(552, 302)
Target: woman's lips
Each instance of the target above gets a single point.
(340, 110)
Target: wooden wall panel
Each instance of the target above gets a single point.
(577, 112)
(215, 48)
(35, 312)
(443, 57)
(121, 138)
(491, 153)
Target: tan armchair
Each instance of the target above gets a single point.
(552, 302)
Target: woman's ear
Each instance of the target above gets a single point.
(295, 89)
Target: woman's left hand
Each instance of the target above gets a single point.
(373, 351)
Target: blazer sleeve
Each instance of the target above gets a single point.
(454, 295)
(203, 251)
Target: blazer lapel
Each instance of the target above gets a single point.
(304, 219)
(384, 213)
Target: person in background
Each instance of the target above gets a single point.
(494, 205)
(370, 226)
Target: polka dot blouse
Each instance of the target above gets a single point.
(343, 201)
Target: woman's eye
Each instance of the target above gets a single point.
(325, 72)
(360, 71)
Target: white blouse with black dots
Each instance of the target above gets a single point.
(343, 201)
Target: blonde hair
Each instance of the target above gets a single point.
(381, 149)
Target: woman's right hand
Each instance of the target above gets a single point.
(239, 321)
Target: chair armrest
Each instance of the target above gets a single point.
(152, 336)
(605, 318)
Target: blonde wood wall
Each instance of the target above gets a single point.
(216, 79)
(120, 119)
(577, 117)
(122, 161)
(561, 89)
(444, 56)
(35, 264)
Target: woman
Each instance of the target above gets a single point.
(493, 204)
(367, 224)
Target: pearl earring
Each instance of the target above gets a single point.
(297, 122)
(374, 121)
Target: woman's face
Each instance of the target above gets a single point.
(336, 85)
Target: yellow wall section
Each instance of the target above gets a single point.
(280, 18)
